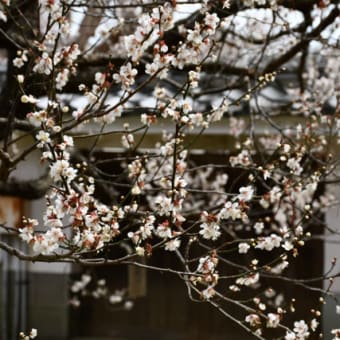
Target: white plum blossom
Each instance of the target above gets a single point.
(301, 329)
(148, 119)
(66, 143)
(43, 137)
(115, 298)
(336, 333)
(294, 165)
(62, 78)
(279, 268)
(243, 158)
(243, 248)
(269, 243)
(126, 76)
(140, 251)
(275, 194)
(226, 4)
(26, 233)
(135, 237)
(81, 284)
(208, 293)
(163, 205)
(31, 335)
(159, 65)
(246, 193)
(3, 16)
(173, 244)
(248, 280)
(147, 229)
(230, 210)
(127, 140)
(43, 64)
(100, 78)
(210, 231)
(258, 227)
(288, 246)
(314, 324)
(253, 320)
(290, 336)
(164, 231)
(62, 169)
(164, 16)
(68, 55)
(37, 117)
(111, 116)
(44, 245)
(29, 99)
(273, 320)
(237, 126)
(194, 78)
(211, 20)
(21, 59)
(206, 265)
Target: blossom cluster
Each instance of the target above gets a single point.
(233, 223)
(87, 285)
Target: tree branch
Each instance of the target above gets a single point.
(277, 63)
